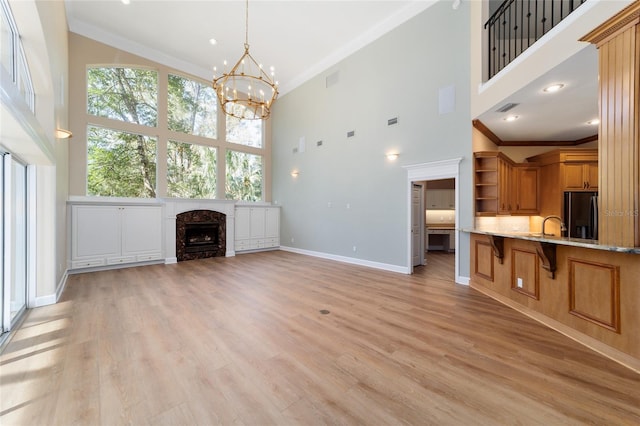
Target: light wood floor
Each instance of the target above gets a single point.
(242, 341)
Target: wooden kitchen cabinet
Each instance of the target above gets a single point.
(505, 191)
(505, 187)
(525, 191)
(580, 176)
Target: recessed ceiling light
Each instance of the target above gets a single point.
(593, 122)
(213, 41)
(125, 1)
(511, 118)
(553, 88)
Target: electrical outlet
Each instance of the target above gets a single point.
(519, 282)
(355, 248)
(292, 240)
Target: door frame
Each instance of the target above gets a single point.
(443, 169)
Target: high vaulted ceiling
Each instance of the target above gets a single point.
(302, 38)
(299, 38)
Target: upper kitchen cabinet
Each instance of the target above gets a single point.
(525, 191)
(505, 187)
(440, 199)
(580, 176)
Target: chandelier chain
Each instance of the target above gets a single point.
(246, 25)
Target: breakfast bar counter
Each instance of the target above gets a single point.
(585, 290)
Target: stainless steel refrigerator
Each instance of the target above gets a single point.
(581, 214)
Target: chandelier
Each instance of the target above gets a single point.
(246, 91)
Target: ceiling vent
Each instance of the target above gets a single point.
(507, 107)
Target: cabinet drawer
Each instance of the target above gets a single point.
(243, 245)
(119, 260)
(149, 256)
(77, 264)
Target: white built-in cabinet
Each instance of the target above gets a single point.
(104, 235)
(440, 199)
(257, 228)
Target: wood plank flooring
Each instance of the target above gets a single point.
(242, 341)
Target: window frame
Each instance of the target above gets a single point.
(164, 135)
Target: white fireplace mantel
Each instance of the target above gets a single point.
(173, 207)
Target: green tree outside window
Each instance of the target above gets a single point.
(124, 94)
(120, 164)
(243, 176)
(191, 170)
(192, 107)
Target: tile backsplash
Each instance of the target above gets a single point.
(503, 223)
(440, 216)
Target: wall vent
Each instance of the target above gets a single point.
(507, 107)
(392, 121)
(351, 133)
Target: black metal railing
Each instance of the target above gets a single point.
(518, 24)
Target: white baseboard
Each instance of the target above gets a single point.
(463, 280)
(170, 260)
(61, 285)
(351, 260)
(51, 299)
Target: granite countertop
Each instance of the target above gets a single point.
(575, 242)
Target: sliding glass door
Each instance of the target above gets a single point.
(14, 240)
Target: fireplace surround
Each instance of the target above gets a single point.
(200, 234)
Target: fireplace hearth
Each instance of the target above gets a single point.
(200, 234)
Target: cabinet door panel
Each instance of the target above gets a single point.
(96, 231)
(574, 179)
(141, 229)
(257, 223)
(505, 176)
(526, 191)
(243, 224)
(591, 173)
(272, 223)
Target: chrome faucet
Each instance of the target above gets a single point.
(559, 219)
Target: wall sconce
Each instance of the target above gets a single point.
(63, 134)
(295, 173)
(392, 156)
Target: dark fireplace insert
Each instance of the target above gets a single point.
(200, 234)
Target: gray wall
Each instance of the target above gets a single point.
(398, 75)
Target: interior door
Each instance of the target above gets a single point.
(417, 224)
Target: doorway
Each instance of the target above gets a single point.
(445, 169)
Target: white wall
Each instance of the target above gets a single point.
(43, 28)
(347, 193)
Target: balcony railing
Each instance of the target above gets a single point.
(518, 24)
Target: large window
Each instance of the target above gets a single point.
(124, 94)
(191, 170)
(120, 164)
(244, 132)
(192, 107)
(129, 133)
(244, 176)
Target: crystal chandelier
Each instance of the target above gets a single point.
(247, 91)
